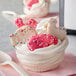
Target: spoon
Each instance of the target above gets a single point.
(6, 59)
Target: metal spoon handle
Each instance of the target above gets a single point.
(18, 69)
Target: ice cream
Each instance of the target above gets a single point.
(37, 9)
(39, 41)
(42, 46)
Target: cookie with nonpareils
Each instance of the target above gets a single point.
(26, 21)
(22, 35)
(41, 41)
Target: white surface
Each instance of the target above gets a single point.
(70, 14)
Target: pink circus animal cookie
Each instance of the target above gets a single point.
(41, 41)
(22, 35)
(30, 22)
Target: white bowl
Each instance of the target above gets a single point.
(47, 60)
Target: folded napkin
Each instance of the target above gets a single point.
(66, 68)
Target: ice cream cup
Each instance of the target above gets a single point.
(47, 59)
(40, 9)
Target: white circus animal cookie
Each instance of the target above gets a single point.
(60, 32)
(22, 35)
(51, 26)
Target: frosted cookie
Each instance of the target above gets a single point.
(26, 21)
(41, 41)
(60, 32)
(51, 26)
(22, 35)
